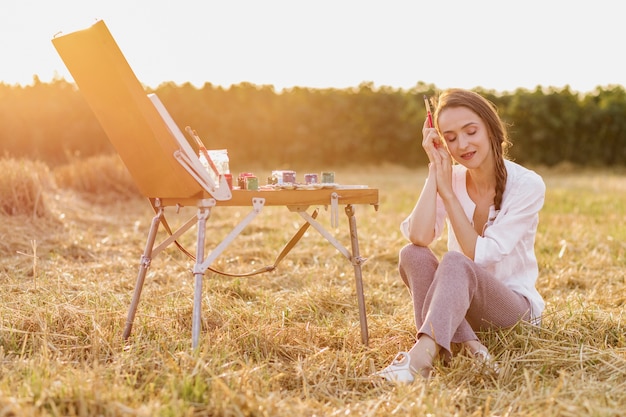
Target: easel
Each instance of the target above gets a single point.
(168, 173)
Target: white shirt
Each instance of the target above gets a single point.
(507, 246)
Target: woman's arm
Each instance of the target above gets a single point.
(516, 221)
(421, 222)
(463, 230)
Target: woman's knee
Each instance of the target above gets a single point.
(412, 254)
(455, 265)
(417, 265)
(416, 260)
(454, 258)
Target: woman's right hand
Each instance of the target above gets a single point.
(440, 166)
(431, 142)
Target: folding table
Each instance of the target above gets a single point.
(167, 171)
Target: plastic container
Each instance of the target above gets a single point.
(221, 161)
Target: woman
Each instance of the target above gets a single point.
(487, 278)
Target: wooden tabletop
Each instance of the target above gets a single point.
(345, 195)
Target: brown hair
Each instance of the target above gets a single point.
(487, 111)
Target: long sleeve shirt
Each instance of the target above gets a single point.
(507, 245)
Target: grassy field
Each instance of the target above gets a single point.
(286, 343)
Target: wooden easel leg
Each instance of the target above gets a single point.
(144, 264)
(356, 261)
(198, 272)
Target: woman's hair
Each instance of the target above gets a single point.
(487, 111)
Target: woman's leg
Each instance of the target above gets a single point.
(417, 266)
(450, 300)
(465, 297)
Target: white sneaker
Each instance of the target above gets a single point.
(485, 359)
(400, 369)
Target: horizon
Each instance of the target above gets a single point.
(278, 90)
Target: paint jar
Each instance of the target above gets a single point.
(241, 180)
(276, 178)
(310, 178)
(252, 183)
(328, 177)
(289, 177)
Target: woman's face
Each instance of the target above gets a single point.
(466, 136)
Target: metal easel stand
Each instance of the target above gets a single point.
(200, 267)
(355, 258)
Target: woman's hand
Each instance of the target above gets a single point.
(440, 160)
(431, 141)
(443, 168)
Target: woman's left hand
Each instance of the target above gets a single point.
(443, 163)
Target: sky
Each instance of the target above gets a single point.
(501, 45)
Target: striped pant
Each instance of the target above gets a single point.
(455, 297)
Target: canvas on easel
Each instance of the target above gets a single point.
(131, 120)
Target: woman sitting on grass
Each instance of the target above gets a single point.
(487, 278)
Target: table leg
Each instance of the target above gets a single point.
(198, 272)
(356, 262)
(146, 259)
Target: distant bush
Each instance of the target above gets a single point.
(22, 183)
(52, 122)
(97, 176)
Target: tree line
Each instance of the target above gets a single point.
(365, 124)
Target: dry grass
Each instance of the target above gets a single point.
(22, 182)
(288, 343)
(97, 178)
